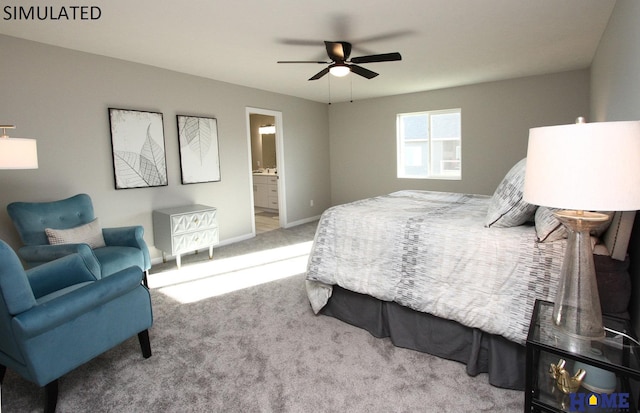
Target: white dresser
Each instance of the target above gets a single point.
(185, 229)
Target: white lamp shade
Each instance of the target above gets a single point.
(18, 153)
(584, 166)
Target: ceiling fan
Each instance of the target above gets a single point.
(340, 65)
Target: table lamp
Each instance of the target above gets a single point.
(579, 168)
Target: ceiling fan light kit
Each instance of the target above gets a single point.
(340, 65)
(339, 70)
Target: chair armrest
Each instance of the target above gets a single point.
(62, 309)
(58, 274)
(36, 254)
(132, 236)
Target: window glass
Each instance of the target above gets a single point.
(430, 144)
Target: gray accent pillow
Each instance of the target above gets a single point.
(90, 233)
(549, 228)
(508, 208)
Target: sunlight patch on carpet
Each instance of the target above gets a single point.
(199, 281)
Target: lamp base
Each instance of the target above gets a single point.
(576, 311)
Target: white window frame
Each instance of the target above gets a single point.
(428, 173)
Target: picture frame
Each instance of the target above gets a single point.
(137, 141)
(199, 150)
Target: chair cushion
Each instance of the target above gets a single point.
(90, 233)
(113, 259)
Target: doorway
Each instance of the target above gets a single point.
(265, 138)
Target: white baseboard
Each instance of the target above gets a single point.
(158, 260)
(302, 221)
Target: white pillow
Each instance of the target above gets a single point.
(507, 208)
(90, 233)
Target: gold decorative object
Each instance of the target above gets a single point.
(564, 381)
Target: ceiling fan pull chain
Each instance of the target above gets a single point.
(351, 84)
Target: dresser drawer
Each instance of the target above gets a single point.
(194, 240)
(193, 221)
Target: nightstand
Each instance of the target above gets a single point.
(615, 357)
(184, 229)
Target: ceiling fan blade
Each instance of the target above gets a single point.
(383, 36)
(359, 70)
(320, 74)
(338, 51)
(302, 61)
(385, 57)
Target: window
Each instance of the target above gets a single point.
(429, 145)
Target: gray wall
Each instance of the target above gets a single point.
(615, 95)
(61, 97)
(615, 72)
(496, 118)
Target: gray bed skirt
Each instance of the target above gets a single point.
(503, 360)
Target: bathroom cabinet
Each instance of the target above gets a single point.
(265, 191)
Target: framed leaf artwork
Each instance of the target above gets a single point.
(199, 157)
(137, 140)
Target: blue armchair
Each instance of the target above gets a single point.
(123, 247)
(58, 316)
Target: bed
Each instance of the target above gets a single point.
(454, 275)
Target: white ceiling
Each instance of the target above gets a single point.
(443, 43)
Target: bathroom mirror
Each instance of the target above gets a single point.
(269, 151)
(263, 146)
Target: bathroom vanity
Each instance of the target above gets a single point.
(265, 190)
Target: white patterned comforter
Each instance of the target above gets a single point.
(430, 251)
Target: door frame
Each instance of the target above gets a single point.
(282, 204)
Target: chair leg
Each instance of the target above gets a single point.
(3, 370)
(144, 278)
(51, 396)
(145, 343)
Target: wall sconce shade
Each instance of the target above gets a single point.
(17, 153)
(267, 130)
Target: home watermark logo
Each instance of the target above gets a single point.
(585, 402)
(54, 13)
